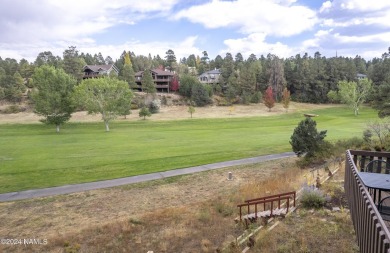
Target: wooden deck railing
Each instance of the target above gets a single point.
(371, 231)
(268, 200)
(361, 158)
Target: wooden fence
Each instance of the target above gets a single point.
(371, 231)
(268, 200)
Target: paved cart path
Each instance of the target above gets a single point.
(65, 189)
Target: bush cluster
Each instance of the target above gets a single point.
(312, 198)
(154, 106)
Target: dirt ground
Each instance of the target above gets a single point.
(174, 113)
(60, 216)
(49, 216)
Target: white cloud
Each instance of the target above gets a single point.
(326, 6)
(329, 42)
(255, 43)
(42, 20)
(31, 51)
(362, 5)
(344, 13)
(280, 18)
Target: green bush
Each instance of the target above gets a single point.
(144, 112)
(186, 84)
(306, 140)
(245, 98)
(312, 198)
(256, 97)
(200, 95)
(134, 106)
(209, 89)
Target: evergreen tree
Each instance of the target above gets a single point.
(147, 83)
(73, 64)
(227, 67)
(199, 94)
(109, 60)
(218, 62)
(306, 140)
(186, 84)
(170, 59)
(248, 79)
(144, 112)
(127, 73)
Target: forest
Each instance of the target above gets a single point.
(308, 78)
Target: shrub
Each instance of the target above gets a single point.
(306, 140)
(134, 106)
(154, 106)
(186, 84)
(200, 95)
(221, 101)
(224, 209)
(256, 97)
(144, 112)
(209, 89)
(245, 98)
(312, 198)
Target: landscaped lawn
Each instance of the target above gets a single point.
(34, 156)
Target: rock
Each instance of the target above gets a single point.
(336, 209)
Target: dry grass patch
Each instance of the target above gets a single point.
(174, 112)
(309, 230)
(192, 213)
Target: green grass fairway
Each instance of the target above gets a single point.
(35, 156)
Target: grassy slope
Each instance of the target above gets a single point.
(34, 156)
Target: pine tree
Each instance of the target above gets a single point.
(170, 59)
(127, 72)
(144, 112)
(147, 83)
(73, 64)
(306, 139)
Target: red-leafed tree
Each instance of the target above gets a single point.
(268, 98)
(174, 84)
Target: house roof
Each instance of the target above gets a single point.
(211, 72)
(98, 68)
(158, 72)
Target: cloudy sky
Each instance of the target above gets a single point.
(281, 27)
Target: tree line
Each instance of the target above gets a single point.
(307, 78)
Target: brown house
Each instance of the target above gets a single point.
(94, 71)
(162, 79)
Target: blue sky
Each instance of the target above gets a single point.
(281, 27)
